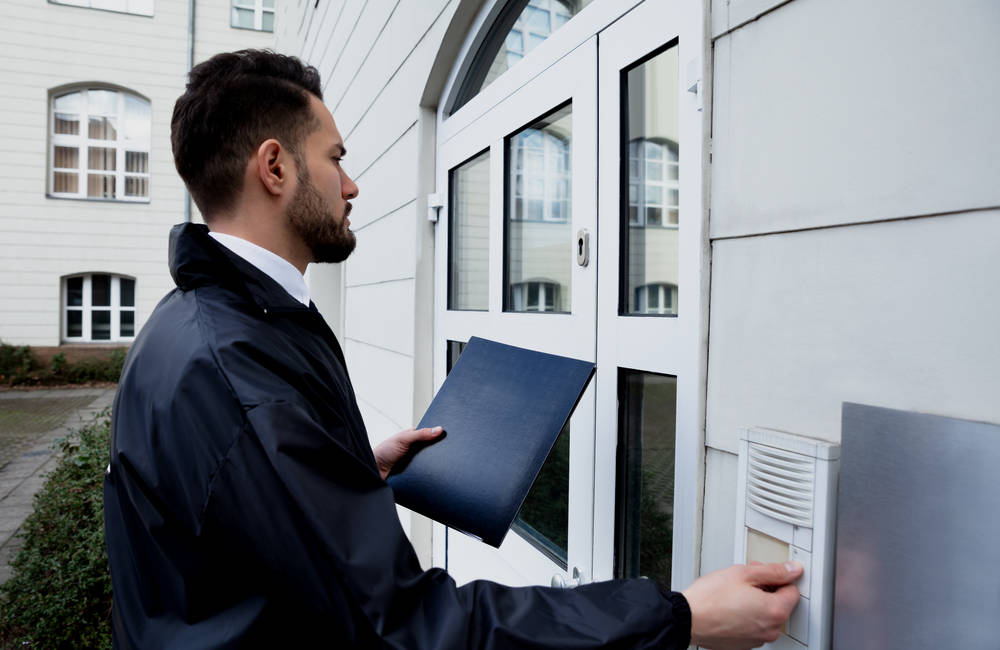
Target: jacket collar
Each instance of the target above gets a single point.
(197, 260)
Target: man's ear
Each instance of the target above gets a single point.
(273, 167)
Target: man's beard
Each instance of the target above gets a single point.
(311, 217)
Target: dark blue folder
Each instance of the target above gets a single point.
(502, 408)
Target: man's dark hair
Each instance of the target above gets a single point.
(233, 102)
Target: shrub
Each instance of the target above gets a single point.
(16, 363)
(60, 593)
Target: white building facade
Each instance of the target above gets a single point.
(745, 212)
(89, 186)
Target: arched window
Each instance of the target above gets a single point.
(535, 295)
(540, 171)
(520, 26)
(656, 298)
(98, 307)
(99, 145)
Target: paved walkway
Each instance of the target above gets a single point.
(30, 421)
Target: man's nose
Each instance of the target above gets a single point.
(349, 188)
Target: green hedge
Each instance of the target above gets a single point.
(19, 366)
(60, 593)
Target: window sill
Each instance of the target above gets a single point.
(90, 199)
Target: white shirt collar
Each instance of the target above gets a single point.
(274, 266)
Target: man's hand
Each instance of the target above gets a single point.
(391, 450)
(742, 606)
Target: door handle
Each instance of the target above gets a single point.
(583, 247)
(560, 581)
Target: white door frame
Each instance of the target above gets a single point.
(668, 345)
(572, 334)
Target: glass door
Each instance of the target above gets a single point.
(516, 257)
(650, 335)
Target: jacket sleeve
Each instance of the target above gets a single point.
(323, 530)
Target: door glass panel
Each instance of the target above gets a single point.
(468, 235)
(520, 27)
(544, 516)
(645, 490)
(537, 225)
(650, 194)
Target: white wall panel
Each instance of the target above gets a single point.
(382, 378)
(387, 183)
(718, 539)
(407, 28)
(840, 112)
(386, 248)
(381, 315)
(896, 314)
(358, 45)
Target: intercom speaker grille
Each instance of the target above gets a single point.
(780, 484)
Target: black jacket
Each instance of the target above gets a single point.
(243, 507)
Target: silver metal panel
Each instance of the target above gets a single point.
(918, 532)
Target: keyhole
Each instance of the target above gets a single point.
(579, 244)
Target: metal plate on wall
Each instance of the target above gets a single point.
(918, 532)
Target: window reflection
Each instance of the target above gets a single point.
(651, 207)
(645, 493)
(538, 259)
(468, 235)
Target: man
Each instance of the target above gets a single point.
(244, 505)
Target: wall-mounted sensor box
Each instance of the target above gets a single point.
(786, 510)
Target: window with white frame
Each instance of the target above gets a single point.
(653, 184)
(98, 307)
(540, 175)
(138, 7)
(656, 298)
(99, 141)
(534, 296)
(253, 14)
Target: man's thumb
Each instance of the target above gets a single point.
(774, 575)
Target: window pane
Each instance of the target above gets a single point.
(468, 235)
(645, 491)
(66, 157)
(136, 186)
(523, 25)
(64, 182)
(102, 102)
(100, 186)
(70, 103)
(243, 18)
(137, 162)
(100, 158)
(544, 515)
(74, 292)
(454, 350)
(67, 123)
(74, 323)
(651, 250)
(537, 223)
(136, 123)
(269, 4)
(100, 290)
(127, 323)
(103, 128)
(267, 21)
(127, 291)
(100, 325)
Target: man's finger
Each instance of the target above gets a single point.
(788, 596)
(774, 574)
(427, 433)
